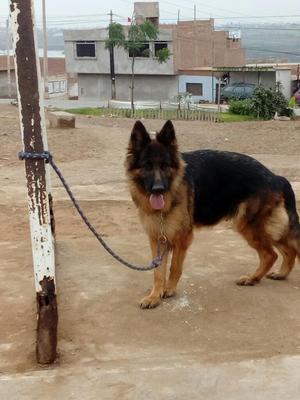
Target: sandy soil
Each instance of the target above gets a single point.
(99, 317)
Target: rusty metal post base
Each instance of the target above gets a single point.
(47, 323)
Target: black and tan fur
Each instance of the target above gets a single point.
(201, 188)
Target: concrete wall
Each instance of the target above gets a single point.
(285, 79)
(268, 79)
(146, 87)
(208, 82)
(4, 86)
(197, 44)
(100, 64)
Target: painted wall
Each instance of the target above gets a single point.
(4, 86)
(101, 64)
(208, 82)
(146, 87)
(285, 79)
(267, 78)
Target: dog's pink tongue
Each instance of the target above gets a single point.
(157, 201)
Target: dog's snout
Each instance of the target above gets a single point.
(158, 187)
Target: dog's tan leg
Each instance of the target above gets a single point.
(267, 257)
(154, 298)
(258, 238)
(289, 256)
(182, 242)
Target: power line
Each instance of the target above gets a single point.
(214, 7)
(242, 28)
(248, 48)
(273, 51)
(262, 16)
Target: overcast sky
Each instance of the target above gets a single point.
(64, 12)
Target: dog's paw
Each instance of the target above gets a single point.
(169, 292)
(150, 301)
(276, 276)
(246, 281)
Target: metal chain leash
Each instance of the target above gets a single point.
(162, 240)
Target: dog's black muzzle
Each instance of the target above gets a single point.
(158, 188)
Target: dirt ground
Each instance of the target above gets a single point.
(210, 325)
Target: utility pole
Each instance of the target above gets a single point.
(112, 64)
(34, 138)
(45, 59)
(219, 95)
(178, 15)
(8, 59)
(195, 12)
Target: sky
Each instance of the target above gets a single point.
(64, 13)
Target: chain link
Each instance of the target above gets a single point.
(162, 240)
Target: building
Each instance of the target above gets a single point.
(192, 44)
(274, 76)
(4, 89)
(201, 82)
(57, 77)
(87, 57)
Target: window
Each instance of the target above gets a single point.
(86, 49)
(63, 86)
(159, 46)
(50, 87)
(196, 89)
(143, 51)
(56, 87)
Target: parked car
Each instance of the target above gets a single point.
(237, 91)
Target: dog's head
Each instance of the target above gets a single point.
(153, 163)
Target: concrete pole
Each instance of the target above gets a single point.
(219, 95)
(112, 64)
(8, 59)
(45, 51)
(33, 133)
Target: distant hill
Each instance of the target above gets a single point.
(55, 39)
(263, 42)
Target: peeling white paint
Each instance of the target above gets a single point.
(41, 235)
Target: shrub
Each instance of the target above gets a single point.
(241, 107)
(263, 104)
(266, 102)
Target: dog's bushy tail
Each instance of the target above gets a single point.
(295, 239)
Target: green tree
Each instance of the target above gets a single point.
(133, 43)
(116, 38)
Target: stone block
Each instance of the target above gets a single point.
(61, 120)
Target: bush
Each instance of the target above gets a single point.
(266, 102)
(263, 104)
(240, 107)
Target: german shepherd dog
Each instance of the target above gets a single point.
(201, 188)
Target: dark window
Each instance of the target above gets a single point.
(142, 51)
(86, 49)
(196, 89)
(159, 46)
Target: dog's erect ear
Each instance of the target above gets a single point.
(167, 135)
(139, 137)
